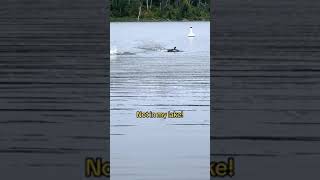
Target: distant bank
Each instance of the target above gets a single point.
(159, 10)
(128, 19)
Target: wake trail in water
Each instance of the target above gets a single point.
(142, 48)
(114, 51)
(151, 47)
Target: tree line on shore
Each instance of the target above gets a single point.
(160, 10)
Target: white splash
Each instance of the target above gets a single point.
(113, 51)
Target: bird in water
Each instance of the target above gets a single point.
(173, 50)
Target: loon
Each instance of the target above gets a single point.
(174, 50)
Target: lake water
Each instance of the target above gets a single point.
(144, 77)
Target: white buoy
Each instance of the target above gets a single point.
(191, 34)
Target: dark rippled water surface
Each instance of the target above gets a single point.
(144, 77)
